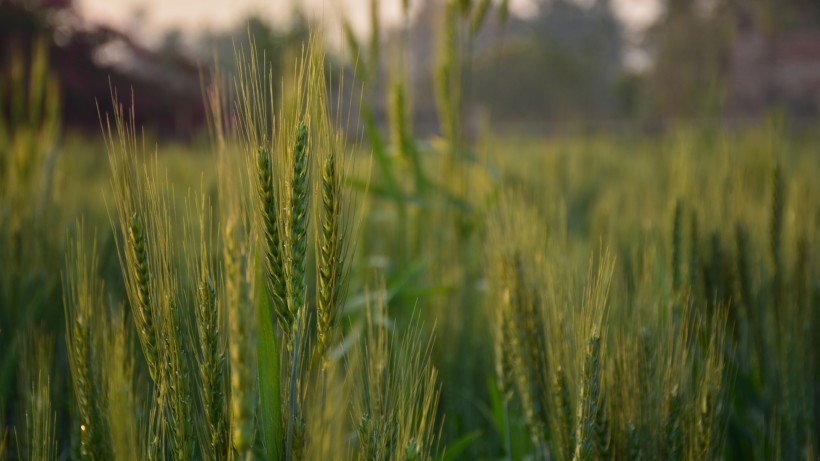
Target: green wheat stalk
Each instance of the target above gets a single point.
(705, 430)
(776, 231)
(677, 246)
(177, 384)
(673, 426)
(237, 305)
(298, 227)
(83, 298)
(211, 368)
(331, 254)
(592, 430)
(565, 437)
(144, 314)
(273, 247)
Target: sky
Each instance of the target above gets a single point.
(195, 16)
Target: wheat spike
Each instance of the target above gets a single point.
(592, 428)
(274, 260)
(83, 298)
(237, 299)
(298, 227)
(330, 262)
(673, 429)
(211, 368)
(144, 315)
(564, 432)
(704, 426)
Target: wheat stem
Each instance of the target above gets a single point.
(677, 246)
(776, 233)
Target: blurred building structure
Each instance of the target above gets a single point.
(779, 70)
(92, 60)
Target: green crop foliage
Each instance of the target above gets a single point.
(297, 292)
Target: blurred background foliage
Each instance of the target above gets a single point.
(568, 63)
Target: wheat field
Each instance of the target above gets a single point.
(300, 287)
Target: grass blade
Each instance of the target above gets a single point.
(455, 450)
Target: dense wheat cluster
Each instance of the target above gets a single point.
(319, 291)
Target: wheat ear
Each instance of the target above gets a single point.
(592, 432)
(330, 262)
(144, 315)
(237, 298)
(211, 367)
(274, 260)
(298, 228)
